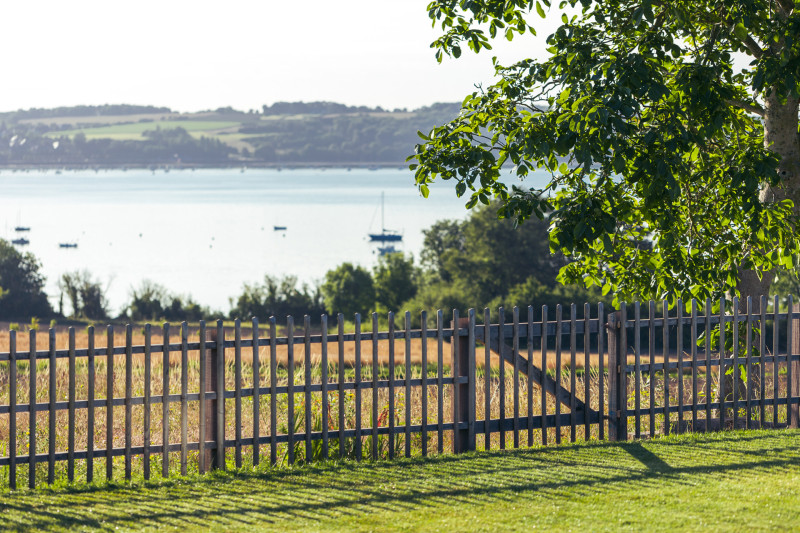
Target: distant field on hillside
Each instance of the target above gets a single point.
(133, 131)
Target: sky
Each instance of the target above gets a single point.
(197, 55)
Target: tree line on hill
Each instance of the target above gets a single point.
(285, 133)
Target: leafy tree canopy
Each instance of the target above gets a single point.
(675, 172)
(21, 285)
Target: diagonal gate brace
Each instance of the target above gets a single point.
(541, 378)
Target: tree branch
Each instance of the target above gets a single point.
(754, 47)
(747, 106)
(787, 6)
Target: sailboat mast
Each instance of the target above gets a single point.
(383, 224)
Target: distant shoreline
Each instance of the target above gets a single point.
(233, 166)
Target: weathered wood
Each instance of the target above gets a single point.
(324, 379)
(587, 364)
(440, 379)
(617, 375)
(665, 355)
(471, 383)
(749, 365)
(515, 348)
(424, 392)
(32, 412)
(307, 364)
(357, 442)
(694, 362)
(51, 389)
(340, 331)
(203, 462)
(375, 378)
(219, 402)
(165, 402)
(651, 351)
(203, 406)
(463, 439)
(237, 392)
(487, 379)
(573, 379)
(12, 414)
(407, 350)
(72, 384)
(529, 376)
(147, 381)
(601, 372)
(128, 405)
(543, 377)
(109, 399)
(184, 396)
(391, 385)
(775, 375)
(707, 332)
(501, 345)
(762, 351)
(90, 363)
(722, 357)
(559, 334)
(273, 392)
(637, 387)
(793, 367)
(257, 393)
(290, 386)
(679, 349)
(735, 389)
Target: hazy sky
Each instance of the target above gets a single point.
(194, 55)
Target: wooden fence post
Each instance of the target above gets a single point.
(464, 365)
(211, 381)
(617, 376)
(794, 382)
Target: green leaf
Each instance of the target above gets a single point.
(740, 31)
(540, 10)
(424, 190)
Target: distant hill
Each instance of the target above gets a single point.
(284, 133)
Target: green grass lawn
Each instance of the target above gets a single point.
(745, 481)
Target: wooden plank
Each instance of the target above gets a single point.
(324, 379)
(601, 372)
(789, 366)
(637, 388)
(184, 396)
(614, 326)
(147, 381)
(722, 358)
(307, 364)
(530, 376)
(220, 401)
(793, 384)
(440, 379)
(407, 350)
(424, 394)
(90, 363)
(707, 331)
(376, 371)
(391, 385)
(735, 390)
(762, 351)
(679, 349)
(165, 401)
(748, 386)
(665, 355)
(558, 371)
(357, 442)
(515, 347)
(128, 397)
(543, 390)
(775, 374)
(694, 363)
(587, 365)
(109, 401)
(471, 386)
(51, 389)
(71, 416)
(573, 363)
(257, 392)
(201, 437)
(32, 414)
(12, 405)
(502, 374)
(651, 351)
(340, 331)
(237, 392)
(487, 372)
(290, 385)
(273, 392)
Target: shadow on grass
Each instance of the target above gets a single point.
(303, 496)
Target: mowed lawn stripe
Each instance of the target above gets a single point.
(719, 482)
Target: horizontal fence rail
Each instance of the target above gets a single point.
(167, 400)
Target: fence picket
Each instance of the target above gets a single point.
(651, 351)
(424, 395)
(775, 375)
(51, 389)
(307, 385)
(290, 386)
(515, 349)
(665, 355)
(694, 363)
(407, 350)
(70, 417)
(707, 332)
(12, 413)
(392, 385)
(257, 393)
(273, 392)
(375, 379)
(558, 372)
(762, 349)
(573, 363)
(440, 379)
(357, 443)
(501, 343)
(601, 370)
(128, 398)
(341, 397)
(201, 432)
(722, 364)
(530, 377)
(324, 379)
(637, 352)
(679, 349)
(237, 391)
(184, 396)
(89, 413)
(147, 381)
(735, 387)
(455, 342)
(749, 365)
(164, 404)
(542, 388)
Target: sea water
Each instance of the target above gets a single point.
(206, 232)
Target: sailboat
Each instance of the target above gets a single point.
(386, 235)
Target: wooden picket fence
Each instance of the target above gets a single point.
(293, 394)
